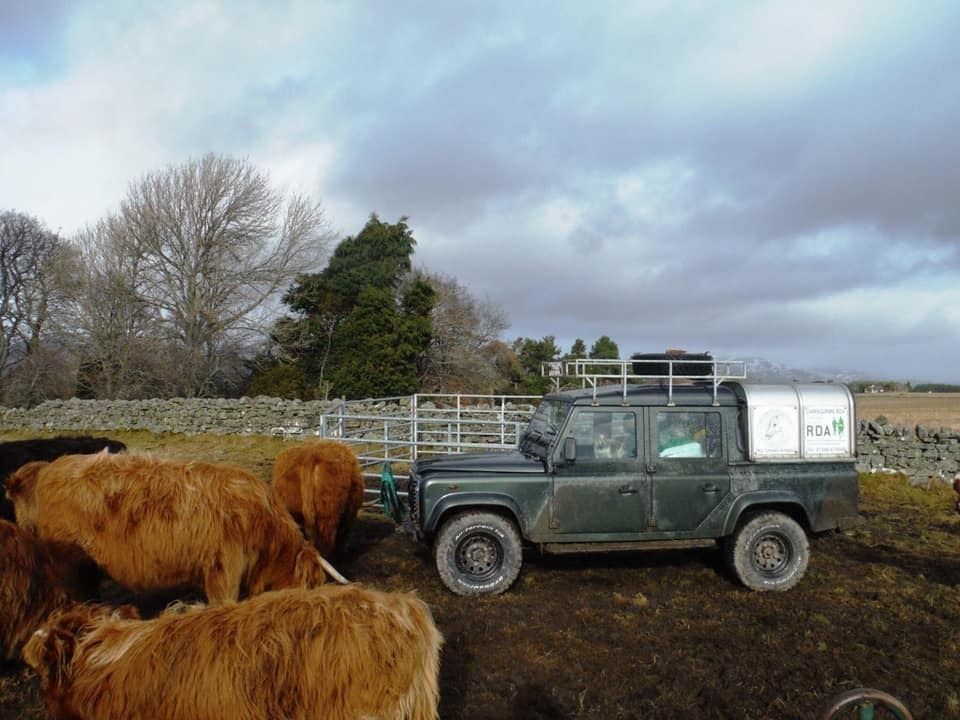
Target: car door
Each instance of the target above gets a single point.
(603, 490)
(688, 466)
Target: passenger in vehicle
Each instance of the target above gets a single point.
(678, 445)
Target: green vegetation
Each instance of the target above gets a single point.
(936, 387)
(531, 354)
(362, 325)
(604, 349)
(577, 350)
(866, 386)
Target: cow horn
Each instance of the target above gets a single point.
(332, 572)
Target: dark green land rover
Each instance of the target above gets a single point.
(672, 461)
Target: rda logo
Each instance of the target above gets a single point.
(833, 430)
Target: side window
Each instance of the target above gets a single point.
(601, 434)
(688, 434)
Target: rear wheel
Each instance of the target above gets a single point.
(769, 551)
(478, 553)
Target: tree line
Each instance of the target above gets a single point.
(209, 282)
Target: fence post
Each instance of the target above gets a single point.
(503, 419)
(386, 439)
(459, 419)
(414, 427)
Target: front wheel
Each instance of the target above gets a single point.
(769, 552)
(478, 553)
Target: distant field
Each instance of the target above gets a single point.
(931, 409)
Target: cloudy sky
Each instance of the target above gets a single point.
(774, 179)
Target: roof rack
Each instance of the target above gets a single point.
(645, 371)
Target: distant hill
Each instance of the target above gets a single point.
(760, 370)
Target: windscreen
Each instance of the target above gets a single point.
(542, 430)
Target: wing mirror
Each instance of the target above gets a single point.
(570, 450)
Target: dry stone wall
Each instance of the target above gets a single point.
(264, 416)
(921, 453)
(259, 415)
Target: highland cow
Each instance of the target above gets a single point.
(336, 653)
(321, 485)
(151, 523)
(16, 453)
(31, 587)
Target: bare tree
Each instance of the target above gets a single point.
(32, 259)
(214, 242)
(461, 357)
(48, 372)
(116, 332)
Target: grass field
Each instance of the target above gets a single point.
(931, 409)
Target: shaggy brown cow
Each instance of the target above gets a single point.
(16, 453)
(151, 523)
(332, 653)
(31, 587)
(321, 485)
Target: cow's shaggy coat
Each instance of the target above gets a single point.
(336, 653)
(322, 487)
(16, 453)
(153, 523)
(31, 587)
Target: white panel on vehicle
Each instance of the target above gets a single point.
(774, 412)
(774, 431)
(827, 420)
(799, 421)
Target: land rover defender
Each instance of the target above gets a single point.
(661, 459)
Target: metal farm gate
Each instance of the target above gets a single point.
(397, 431)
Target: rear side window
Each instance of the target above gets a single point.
(688, 434)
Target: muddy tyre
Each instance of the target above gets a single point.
(478, 553)
(768, 552)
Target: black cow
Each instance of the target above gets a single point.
(17, 453)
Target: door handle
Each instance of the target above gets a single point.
(651, 469)
(710, 488)
(627, 490)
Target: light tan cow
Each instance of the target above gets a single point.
(337, 653)
(154, 523)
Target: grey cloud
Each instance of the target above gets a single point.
(875, 145)
(466, 138)
(471, 118)
(25, 25)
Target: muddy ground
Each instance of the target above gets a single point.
(671, 634)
